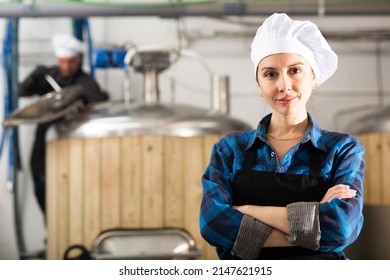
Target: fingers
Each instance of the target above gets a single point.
(340, 191)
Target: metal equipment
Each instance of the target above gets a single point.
(139, 244)
(151, 116)
(135, 165)
(48, 107)
(377, 121)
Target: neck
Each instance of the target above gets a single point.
(286, 127)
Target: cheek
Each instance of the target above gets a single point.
(306, 93)
(305, 86)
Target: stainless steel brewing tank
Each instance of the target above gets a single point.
(377, 121)
(116, 119)
(115, 166)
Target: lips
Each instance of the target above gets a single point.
(287, 100)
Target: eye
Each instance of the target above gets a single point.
(295, 70)
(270, 74)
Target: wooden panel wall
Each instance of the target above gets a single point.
(124, 182)
(377, 163)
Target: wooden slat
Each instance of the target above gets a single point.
(76, 192)
(364, 140)
(209, 141)
(374, 169)
(152, 181)
(193, 170)
(174, 182)
(52, 216)
(131, 181)
(92, 186)
(111, 183)
(385, 155)
(63, 196)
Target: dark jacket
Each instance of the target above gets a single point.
(36, 84)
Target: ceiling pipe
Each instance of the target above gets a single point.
(74, 10)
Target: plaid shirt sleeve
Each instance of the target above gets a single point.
(219, 222)
(341, 220)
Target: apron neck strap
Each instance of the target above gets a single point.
(315, 161)
(250, 155)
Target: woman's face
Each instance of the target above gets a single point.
(285, 81)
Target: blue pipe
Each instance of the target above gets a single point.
(10, 59)
(90, 48)
(78, 26)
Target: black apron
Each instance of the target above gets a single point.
(251, 187)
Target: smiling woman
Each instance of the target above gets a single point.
(289, 189)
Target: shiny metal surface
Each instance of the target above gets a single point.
(220, 94)
(52, 83)
(145, 244)
(151, 117)
(48, 107)
(213, 9)
(110, 119)
(151, 89)
(373, 122)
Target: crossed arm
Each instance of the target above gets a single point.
(277, 217)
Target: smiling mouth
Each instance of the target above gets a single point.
(286, 100)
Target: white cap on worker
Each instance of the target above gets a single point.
(281, 34)
(66, 45)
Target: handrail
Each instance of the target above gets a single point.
(206, 8)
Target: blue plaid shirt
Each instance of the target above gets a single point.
(341, 220)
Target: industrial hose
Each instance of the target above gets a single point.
(10, 58)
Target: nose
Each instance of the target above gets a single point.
(284, 83)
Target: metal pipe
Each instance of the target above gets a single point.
(151, 88)
(18, 10)
(52, 83)
(220, 94)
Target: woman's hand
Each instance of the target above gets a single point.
(338, 191)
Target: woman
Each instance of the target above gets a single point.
(287, 190)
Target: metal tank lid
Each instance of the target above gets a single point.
(151, 117)
(116, 119)
(378, 121)
(48, 107)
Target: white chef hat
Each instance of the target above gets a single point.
(66, 45)
(280, 34)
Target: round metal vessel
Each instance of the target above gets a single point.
(373, 122)
(111, 167)
(110, 119)
(120, 165)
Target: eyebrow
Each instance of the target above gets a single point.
(272, 68)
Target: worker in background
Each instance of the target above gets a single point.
(289, 189)
(68, 71)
